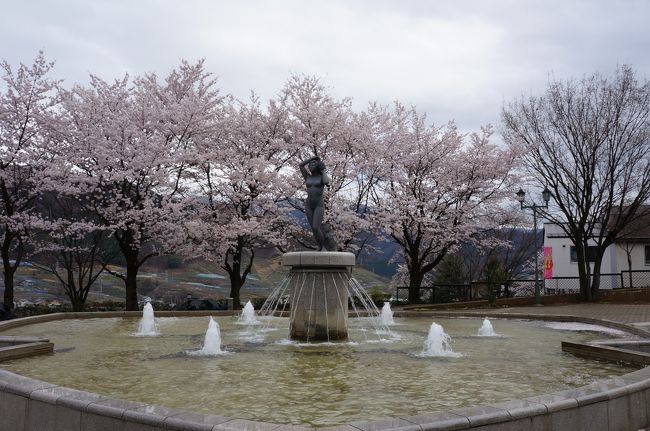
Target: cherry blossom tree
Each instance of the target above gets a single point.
(243, 177)
(71, 247)
(28, 119)
(250, 181)
(130, 146)
(320, 125)
(437, 189)
(158, 162)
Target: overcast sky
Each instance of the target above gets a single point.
(452, 59)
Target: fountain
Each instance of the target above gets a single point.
(437, 343)
(148, 326)
(247, 316)
(320, 284)
(486, 329)
(319, 294)
(318, 281)
(212, 342)
(318, 290)
(386, 316)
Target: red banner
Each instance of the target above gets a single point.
(548, 262)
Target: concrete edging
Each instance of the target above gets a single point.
(621, 403)
(320, 259)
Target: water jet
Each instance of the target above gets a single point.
(386, 316)
(438, 343)
(147, 326)
(247, 316)
(486, 329)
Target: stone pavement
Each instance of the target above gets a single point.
(637, 314)
(633, 316)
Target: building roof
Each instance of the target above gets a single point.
(638, 229)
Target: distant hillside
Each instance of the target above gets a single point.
(383, 260)
(170, 280)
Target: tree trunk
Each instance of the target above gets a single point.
(130, 281)
(130, 284)
(73, 294)
(628, 252)
(236, 284)
(236, 281)
(131, 257)
(595, 286)
(234, 270)
(583, 272)
(8, 272)
(584, 287)
(9, 286)
(415, 282)
(77, 299)
(595, 278)
(78, 304)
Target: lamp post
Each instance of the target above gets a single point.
(546, 196)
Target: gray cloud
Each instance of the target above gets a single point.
(453, 59)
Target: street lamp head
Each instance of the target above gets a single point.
(521, 195)
(546, 195)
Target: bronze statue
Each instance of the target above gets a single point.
(313, 171)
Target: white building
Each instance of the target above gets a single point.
(624, 264)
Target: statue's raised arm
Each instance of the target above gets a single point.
(305, 173)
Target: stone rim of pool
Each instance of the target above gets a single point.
(618, 403)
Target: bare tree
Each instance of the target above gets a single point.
(513, 247)
(632, 235)
(588, 140)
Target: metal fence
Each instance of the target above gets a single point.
(444, 293)
(520, 288)
(561, 285)
(505, 289)
(625, 279)
(438, 293)
(611, 281)
(635, 279)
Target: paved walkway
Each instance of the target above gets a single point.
(623, 313)
(637, 315)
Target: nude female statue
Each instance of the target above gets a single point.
(313, 171)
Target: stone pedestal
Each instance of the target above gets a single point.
(319, 294)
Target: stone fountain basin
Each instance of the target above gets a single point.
(31, 404)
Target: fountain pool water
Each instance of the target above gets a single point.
(486, 329)
(147, 326)
(300, 383)
(386, 316)
(247, 316)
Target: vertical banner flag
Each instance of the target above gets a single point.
(548, 262)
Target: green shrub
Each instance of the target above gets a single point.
(377, 296)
